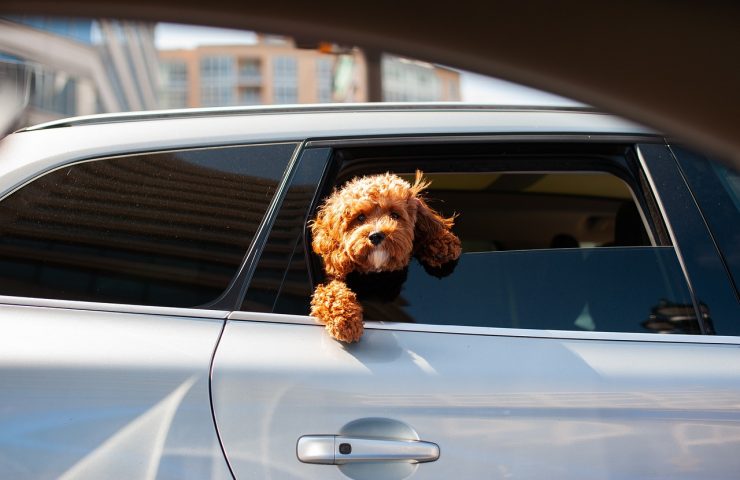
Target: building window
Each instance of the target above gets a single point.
(250, 96)
(217, 81)
(250, 72)
(324, 79)
(285, 72)
(173, 84)
(410, 81)
(54, 92)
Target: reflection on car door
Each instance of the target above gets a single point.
(101, 391)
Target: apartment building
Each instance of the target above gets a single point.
(274, 71)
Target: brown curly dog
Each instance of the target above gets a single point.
(373, 224)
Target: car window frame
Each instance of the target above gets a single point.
(650, 204)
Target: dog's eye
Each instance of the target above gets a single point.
(361, 218)
(395, 216)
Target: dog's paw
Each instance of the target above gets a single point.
(336, 306)
(439, 250)
(441, 271)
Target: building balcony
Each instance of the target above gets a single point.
(249, 79)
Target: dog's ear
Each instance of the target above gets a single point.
(326, 231)
(434, 242)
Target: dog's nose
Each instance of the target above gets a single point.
(376, 237)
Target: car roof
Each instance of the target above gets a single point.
(47, 146)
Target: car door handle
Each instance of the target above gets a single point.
(341, 450)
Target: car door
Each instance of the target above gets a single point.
(522, 363)
(111, 274)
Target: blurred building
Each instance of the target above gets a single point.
(83, 66)
(274, 71)
(87, 66)
(407, 80)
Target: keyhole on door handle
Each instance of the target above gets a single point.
(345, 448)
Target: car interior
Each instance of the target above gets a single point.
(522, 198)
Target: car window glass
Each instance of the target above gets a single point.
(716, 188)
(167, 229)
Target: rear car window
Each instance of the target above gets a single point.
(167, 229)
(548, 243)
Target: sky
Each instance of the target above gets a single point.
(474, 88)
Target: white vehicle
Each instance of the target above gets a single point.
(155, 274)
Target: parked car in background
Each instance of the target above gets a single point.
(155, 274)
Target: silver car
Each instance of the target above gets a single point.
(156, 273)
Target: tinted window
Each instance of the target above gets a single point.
(620, 289)
(717, 191)
(166, 229)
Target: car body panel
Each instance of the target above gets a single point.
(508, 403)
(105, 394)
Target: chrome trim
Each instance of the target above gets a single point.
(669, 229)
(296, 109)
(493, 331)
(487, 137)
(385, 450)
(113, 307)
(326, 450)
(316, 449)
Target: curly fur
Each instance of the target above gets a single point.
(337, 306)
(384, 207)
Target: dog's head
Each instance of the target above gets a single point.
(372, 223)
